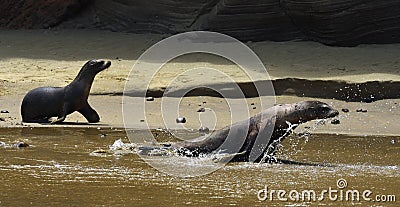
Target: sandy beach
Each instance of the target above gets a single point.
(34, 58)
(80, 164)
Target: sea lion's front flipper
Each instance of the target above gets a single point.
(89, 113)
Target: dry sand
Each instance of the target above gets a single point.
(33, 58)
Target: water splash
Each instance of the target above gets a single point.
(269, 154)
(276, 148)
(297, 141)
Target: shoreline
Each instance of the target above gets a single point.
(366, 76)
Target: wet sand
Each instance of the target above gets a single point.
(380, 118)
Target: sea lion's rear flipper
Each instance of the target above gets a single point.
(89, 113)
(62, 114)
(58, 120)
(40, 121)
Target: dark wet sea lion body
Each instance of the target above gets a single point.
(259, 129)
(42, 103)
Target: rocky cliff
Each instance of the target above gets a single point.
(332, 22)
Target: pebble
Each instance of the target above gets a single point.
(361, 110)
(2, 119)
(181, 120)
(335, 121)
(204, 130)
(345, 110)
(100, 151)
(21, 144)
(4, 111)
(254, 107)
(103, 135)
(149, 99)
(201, 110)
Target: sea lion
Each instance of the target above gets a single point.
(262, 130)
(40, 104)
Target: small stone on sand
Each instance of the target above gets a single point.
(335, 121)
(204, 130)
(181, 120)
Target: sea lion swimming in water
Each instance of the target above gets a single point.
(262, 130)
(42, 103)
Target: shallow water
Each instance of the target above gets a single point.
(58, 168)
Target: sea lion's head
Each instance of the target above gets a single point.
(310, 110)
(96, 66)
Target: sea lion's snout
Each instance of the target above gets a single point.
(103, 64)
(97, 65)
(325, 111)
(106, 64)
(316, 110)
(332, 113)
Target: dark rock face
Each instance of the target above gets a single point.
(251, 20)
(333, 22)
(254, 20)
(346, 22)
(37, 13)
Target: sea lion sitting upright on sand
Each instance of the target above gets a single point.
(42, 103)
(262, 131)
